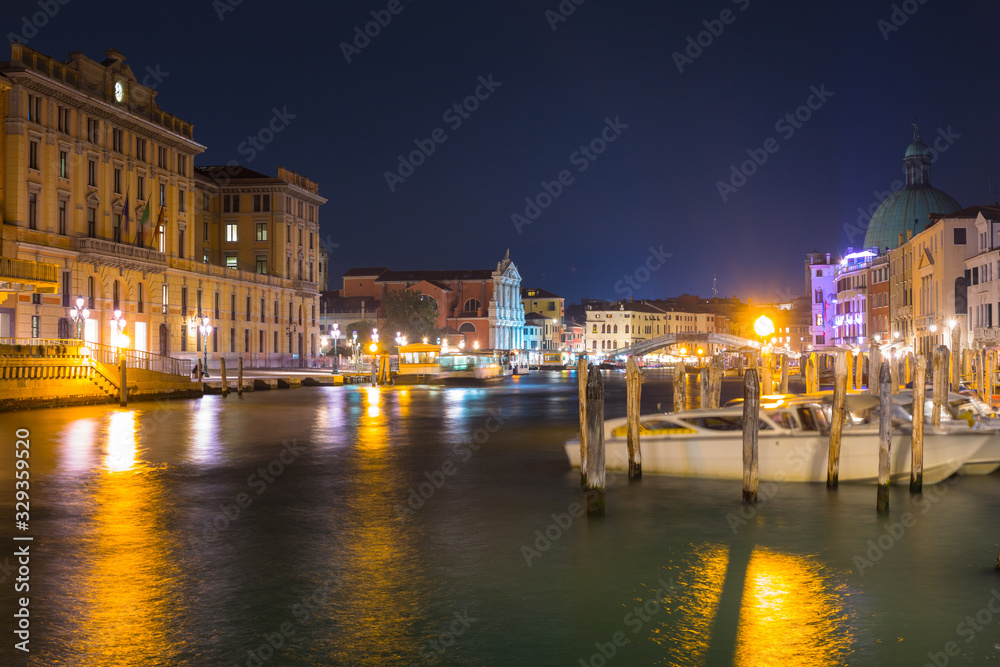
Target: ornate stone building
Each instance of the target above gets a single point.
(86, 149)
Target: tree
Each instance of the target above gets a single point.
(411, 313)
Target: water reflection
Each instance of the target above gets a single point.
(205, 431)
(79, 444)
(789, 614)
(126, 581)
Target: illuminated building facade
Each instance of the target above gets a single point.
(85, 151)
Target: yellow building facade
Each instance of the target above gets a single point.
(85, 149)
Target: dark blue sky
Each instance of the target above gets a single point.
(656, 184)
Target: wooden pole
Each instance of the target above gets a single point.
(581, 384)
(715, 381)
(917, 437)
(123, 381)
(633, 384)
(814, 358)
(909, 367)
(838, 417)
(239, 377)
(703, 387)
(966, 364)
(751, 410)
(940, 382)
(956, 370)
(680, 387)
(884, 435)
(768, 374)
(595, 441)
(894, 370)
(784, 374)
(850, 369)
(859, 378)
(874, 368)
(225, 380)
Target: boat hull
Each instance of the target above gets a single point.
(794, 457)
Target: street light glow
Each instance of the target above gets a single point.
(763, 326)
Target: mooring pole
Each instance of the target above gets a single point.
(633, 384)
(581, 385)
(715, 381)
(940, 386)
(595, 442)
(239, 379)
(784, 374)
(680, 387)
(123, 380)
(917, 435)
(884, 436)
(703, 387)
(222, 373)
(751, 425)
(837, 419)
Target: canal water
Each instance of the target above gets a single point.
(429, 525)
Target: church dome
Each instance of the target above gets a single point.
(909, 209)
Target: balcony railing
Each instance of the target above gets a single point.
(44, 277)
(120, 255)
(305, 286)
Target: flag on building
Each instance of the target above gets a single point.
(143, 221)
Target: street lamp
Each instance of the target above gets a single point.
(118, 322)
(206, 331)
(354, 348)
(336, 334)
(79, 314)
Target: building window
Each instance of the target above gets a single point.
(225, 204)
(93, 130)
(959, 235)
(165, 297)
(63, 169)
(262, 309)
(182, 164)
(232, 307)
(204, 257)
(90, 292)
(275, 348)
(246, 341)
(140, 150)
(261, 231)
(117, 229)
(62, 119)
(260, 342)
(261, 263)
(204, 201)
(180, 243)
(34, 108)
(231, 235)
(142, 188)
(67, 276)
(32, 210)
(116, 303)
(33, 155)
(92, 173)
(184, 301)
(204, 231)
(276, 310)
(218, 312)
(232, 340)
(248, 308)
(118, 181)
(180, 201)
(215, 339)
(163, 194)
(256, 203)
(36, 322)
(231, 262)
(140, 297)
(162, 157)
(118, 140)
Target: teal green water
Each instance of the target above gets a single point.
(420, 525)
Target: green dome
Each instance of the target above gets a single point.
(909, 209)
(918, 149)
(906, 209)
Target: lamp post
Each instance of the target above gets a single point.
(206, 331)
(118, 322)
(335, 333)
(79, 314)
(354, 349)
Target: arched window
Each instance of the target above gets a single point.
(604, 328)
(595, 346)
(468, 327)
(626, 328)
(115, 297)
(603, 344)
(819, 296)
(819, 273)
(90, 292)
(616, 329)
(139, 294)
(471, 306)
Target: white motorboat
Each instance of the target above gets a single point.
(960, 413)
(793, 443)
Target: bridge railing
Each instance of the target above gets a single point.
(108, 355)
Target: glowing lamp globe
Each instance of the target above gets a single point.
(763, 326)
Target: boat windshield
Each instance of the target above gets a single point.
(723, 423)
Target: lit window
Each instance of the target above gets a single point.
(231, 261)
(231, 232)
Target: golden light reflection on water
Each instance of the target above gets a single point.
(126, 580)
(696, 602)
(379, 595)
(789, 615)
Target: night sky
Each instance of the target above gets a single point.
(655, 184)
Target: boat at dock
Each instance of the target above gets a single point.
(793, 443)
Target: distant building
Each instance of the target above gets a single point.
(482, 305)
(821, 288)
(551, 308)
(982, 276)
